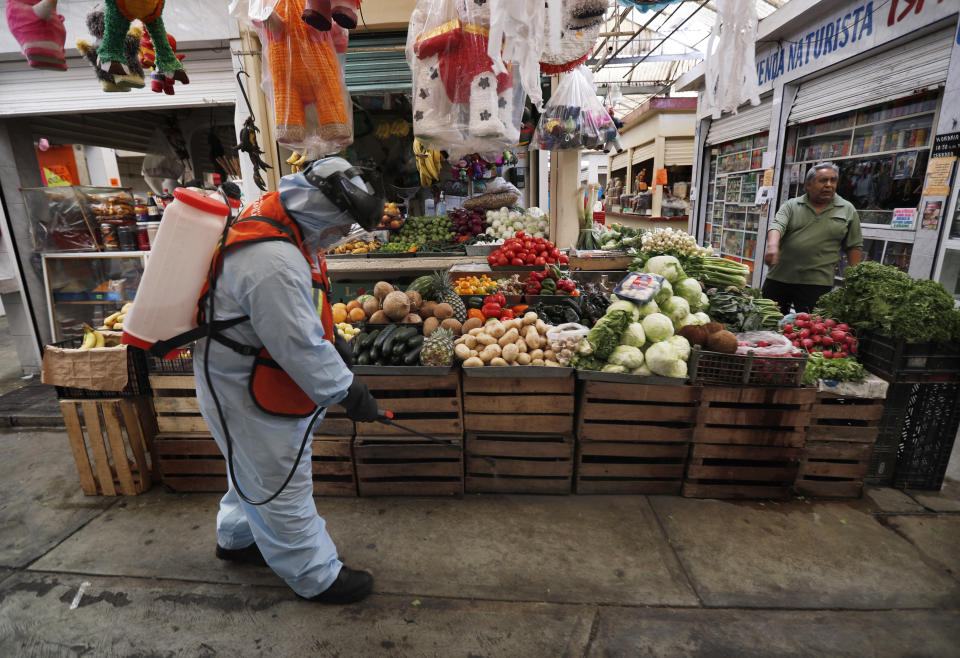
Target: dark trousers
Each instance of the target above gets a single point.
(800, 296)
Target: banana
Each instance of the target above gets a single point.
(126, 307)
(293, 158)
(110, 319)
(89, 338)
(101, 340)
(117, 326)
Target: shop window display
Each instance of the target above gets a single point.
(733, 218)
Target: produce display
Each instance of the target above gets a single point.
(468, 223)
(347, 331)
(742, 311)
(519, 341)
(523, 249)
(394, 345)
(830, 338)
(718, 272)
(617, 237)
(505, 223)
(391, 216)
(550, 281)
(92, 338)
(358, 246)
(419, 231)
(474, 285)
(883, 299)
(114, 321)
(839, 369)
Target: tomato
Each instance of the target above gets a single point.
(516, 261)
(554, 253)
(510, 254)
(520, 234)
(491, 259)
(528, 244)
(502, 260)
(563, 260)
(529, 259)
(551, 261)
(540, 260)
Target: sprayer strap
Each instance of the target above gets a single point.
(163, 347)
(239, 348)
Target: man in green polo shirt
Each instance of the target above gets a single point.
(805, 240)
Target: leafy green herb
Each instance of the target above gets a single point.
(741, 311)
(832, 370)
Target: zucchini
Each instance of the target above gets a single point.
(412, 358)
(399, 348)
(404, 334)
(363, 359)
(395, 336)
(366, 339)
(396, 359)
(414, 344)
(378, 344)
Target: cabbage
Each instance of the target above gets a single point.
(704, 303)
(657, 327)
(702, 318)
(682, 345)
(646, 309)
(642, 370)
(662, 359)
(624, 305)
(676, 308)
(633, 335)
(612, 367)
(666, 266)
(679, 370)
(627, 356)
(690, 290)
(690, 319)
(665, 292)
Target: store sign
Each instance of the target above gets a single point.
(847, 32)
(946, 145)
(904, 218)
(938, 176)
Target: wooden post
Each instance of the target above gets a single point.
(564, 200)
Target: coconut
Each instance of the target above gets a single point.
(413, 317)
(430, 325)
(713, 327)
(371, 305)
(695, 334)
(453, 325)
(382, 289)
(472, 323)
(722, 341)
(396, 305)
(443, 311)
(426, 308)
(379, 318)
(415, 299)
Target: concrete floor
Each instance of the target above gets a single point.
(480, 576)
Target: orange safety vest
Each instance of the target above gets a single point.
(272, 389)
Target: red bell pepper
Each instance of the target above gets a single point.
(506, 314)
(492, 310)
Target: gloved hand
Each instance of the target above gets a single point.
(344, 349)
(360, 405)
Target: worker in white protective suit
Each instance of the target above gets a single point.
(275, 368)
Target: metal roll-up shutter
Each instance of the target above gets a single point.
(376, 62)
(25, 91)
(915, 65)
(678, 152)
(644, 152)
(749, 121)
(620, 161)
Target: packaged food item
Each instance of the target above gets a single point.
(639, 287)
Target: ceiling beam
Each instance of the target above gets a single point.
(692, 14)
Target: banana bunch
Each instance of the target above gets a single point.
(397, 128)
(115, 321)
(428, 163)
(296, 162)
(92, 338)
(347, 331)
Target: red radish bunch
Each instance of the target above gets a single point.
(818, 334)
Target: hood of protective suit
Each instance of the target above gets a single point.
(322, 222)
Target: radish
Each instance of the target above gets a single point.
(830, 322)
(853, 349)
(804, 333)
(843, 355)
(819, 328)
(807, 344)
(818, 339)
(826, 341)
(843, 327)
(803, 316)
(827, 355)
(787, 329)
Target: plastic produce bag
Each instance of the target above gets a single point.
(459, 104)
(574, 118)
(765, 343)
(564, 339)
(304, 81)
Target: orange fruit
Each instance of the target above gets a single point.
(339, 305)
(339, 314)
(352, 305)
(357, 315)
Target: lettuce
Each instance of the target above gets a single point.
(662, 358)
(605, 335)
(612, 367)
(647, 309)
(657, 327)
(625, 305)
(676, 308)
(690, 290)
(666, 266)
(682, 345)
(633, 335)
(627, 356)
(665, 293)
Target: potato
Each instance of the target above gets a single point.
(489, 352)
(548, 355)
(510, 352)
(542, 327)
(453, 325)
(470, 341)
(530, 318)
(443, 311)
(536, 354)
(551, 364)
(521, 345)
(476, 331)
(462, 352)
(498, 362)
(474, 353)
(495, 328)
(430, 325)
(512, 323)
(486, 339)
(472, 323)
(532, 338)
(473, 362)
(534, 362)
(509, 338)
(524, 359)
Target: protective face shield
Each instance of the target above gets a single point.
(328, 197)
(354, 190)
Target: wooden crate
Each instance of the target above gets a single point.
(502, 462)
(428, 404)
(194, 463)
(633, 412)
(836, 418)
(178, 413)
(754, 416)
(111, 440)
(833, 469)
(526, 403)
(738, 471)
(399, 466)
(622, 467)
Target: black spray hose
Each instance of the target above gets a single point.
(386, 417)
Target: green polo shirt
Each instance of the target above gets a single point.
(811, 242)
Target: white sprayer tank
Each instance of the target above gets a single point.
(166, 301)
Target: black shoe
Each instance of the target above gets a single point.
(249, 555)
(350, 586)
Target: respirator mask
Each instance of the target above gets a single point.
(356, 191)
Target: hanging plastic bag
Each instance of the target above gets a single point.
(460, 105)
(304, 81)
(574, 118)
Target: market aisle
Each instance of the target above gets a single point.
(483, 575)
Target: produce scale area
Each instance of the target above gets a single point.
(543, 380)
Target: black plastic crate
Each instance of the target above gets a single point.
(138, 380)
(919, 425)
(897, 360)
(180, 365)
(706, 367)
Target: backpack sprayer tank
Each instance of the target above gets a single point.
(166, 301)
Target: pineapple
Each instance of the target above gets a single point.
(443, 292)
(437, 349)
